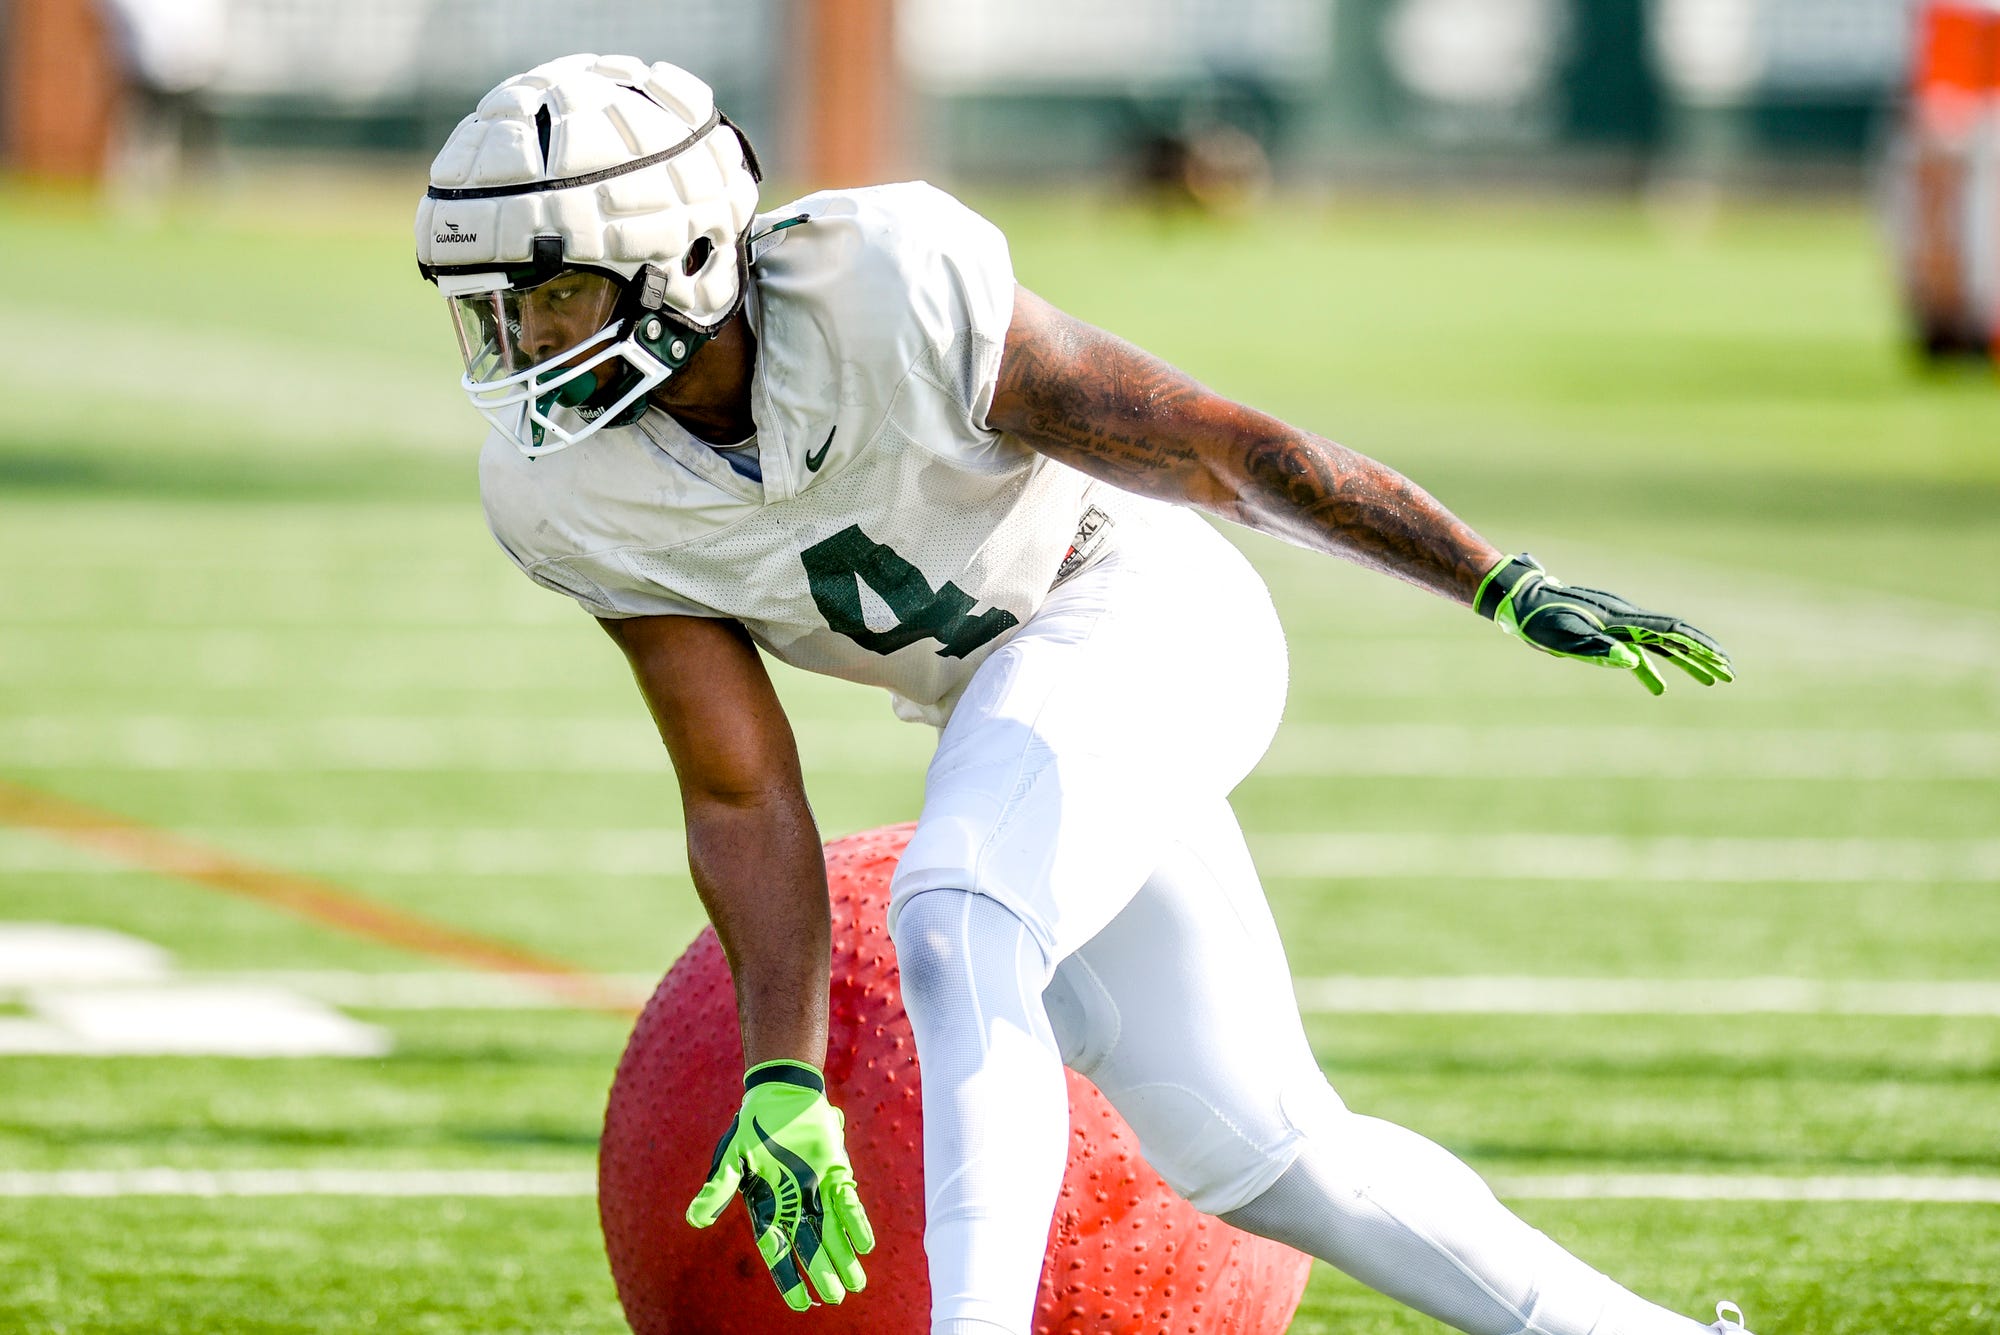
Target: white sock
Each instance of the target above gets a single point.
(996, 1107)
(1403, 1215)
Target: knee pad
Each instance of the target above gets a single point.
(1221, 1155)
(1218, 1128)
(925, 935)
(953, 943)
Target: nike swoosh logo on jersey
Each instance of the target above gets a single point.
(814, 460)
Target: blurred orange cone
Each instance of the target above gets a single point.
(1947, 179)
(60, 90)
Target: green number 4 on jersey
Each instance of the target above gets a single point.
(838, 566)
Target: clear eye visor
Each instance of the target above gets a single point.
(504, 331)
(538, 360)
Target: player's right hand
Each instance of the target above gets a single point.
(785, 1153)
(1593, 626)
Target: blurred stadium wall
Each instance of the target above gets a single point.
(1610, 91)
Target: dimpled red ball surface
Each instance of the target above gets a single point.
(1126, 1256)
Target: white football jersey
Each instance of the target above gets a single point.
(893, 539)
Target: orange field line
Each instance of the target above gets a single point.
(166, 854)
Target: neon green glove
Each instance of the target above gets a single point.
(784, 1151)
(1593, 626)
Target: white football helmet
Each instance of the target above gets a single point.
(588, 224)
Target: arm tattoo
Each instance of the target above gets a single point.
(1111, 410)
(1319, 494)
(1103, 413)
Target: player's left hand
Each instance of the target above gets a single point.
(785, 1152)
(1593, 626)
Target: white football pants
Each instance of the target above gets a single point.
(1078, 891)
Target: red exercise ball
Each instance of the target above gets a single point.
(1126, 1255)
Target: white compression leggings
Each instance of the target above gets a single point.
(1181, 1012)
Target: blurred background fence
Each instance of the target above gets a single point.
(1206, 102)
(1611, 89)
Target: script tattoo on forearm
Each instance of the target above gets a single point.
(1120, 414)
(1319, 494)
(1104, 412)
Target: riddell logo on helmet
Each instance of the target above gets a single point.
(451, 234)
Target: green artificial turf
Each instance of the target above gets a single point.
(439, 1267)
(250, 600)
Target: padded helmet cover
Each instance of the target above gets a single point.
(628, 163)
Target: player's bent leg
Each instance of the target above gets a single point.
(1182, 1012)
(1405, 1216)
(1078, 751)
(996, 1107)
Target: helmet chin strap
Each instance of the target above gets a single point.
(656, 331)
(595, 392)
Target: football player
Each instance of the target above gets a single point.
(840, 433)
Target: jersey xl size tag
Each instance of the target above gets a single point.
(1089, 540)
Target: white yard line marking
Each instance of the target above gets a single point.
(407, 1182)
(1671, 860)
(591, 745)
(36, 954)
(358, 850)
(186, 1019)
(92, 992)
(1416, 855)
(1914, 624)
(297, 1182)
(1326, 995)
(218, 660)
(620, 745)
(161, 852)
(1355, 995)
(1750, 1187)
(437, 991)
(1434, 750)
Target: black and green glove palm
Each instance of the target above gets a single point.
(1593, 626)
(784, 1151)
